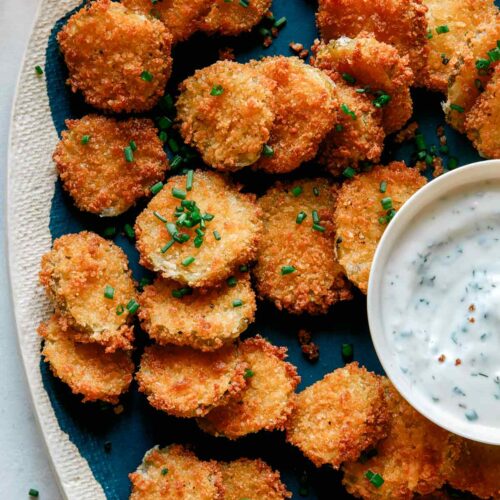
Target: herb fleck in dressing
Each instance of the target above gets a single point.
(441, 303)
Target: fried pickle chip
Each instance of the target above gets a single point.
(119, 59)
(416, 456)
(477, 470)
(375, 66)
(85, 368)
(306, 110)
(357, 138)
(203, 320)
(187, 383)
(450, 25)
(176, 473)
(339, 417)
(300, 273)
(360, 219)
(226, 111)
(245, 478)
(401, 23)
(91, 162)
(267, 401)
(91, 286)
(230, 224)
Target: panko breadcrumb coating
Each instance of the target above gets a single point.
(306, 110)
(481, 122)
(245, 478)
(477, 470)
(358, 214)
(365, 62)
(317, 280)
(176, 473)
(339, 417)
(416, 456)
(401, 23)
(226, 111)
(203, 320)
(230, 237)
(358, 137)
(90, 159)
(267, 401)
(119, 59)
(184, 382)
(91, 286)
(85, 368)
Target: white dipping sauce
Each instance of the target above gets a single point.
(441, 303)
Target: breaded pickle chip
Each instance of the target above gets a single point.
(119, 59)
(226, 111)
(416, 456)
(91, 162)
(245, 478)
(339, 417)
(366, 63)
(85, 368)
(176, 473)
(186, 383)
(296, 266)
(203, 320)
(229, 220)
(267, 401)
(360, 218)
(306, 110)
(90, 284)
(401, 23)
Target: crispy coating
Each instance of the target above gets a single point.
(106, 66)
(416, 456)
(339, 417)
(203, 320)
(477, 470)
(318, 280)
(359, 209)
(268, 399)
(75, 274)
(188, 383)
(357, 138)
(462, 19)
(481, 122)
(374, 65)
(245, 478)
(176, 473)
(306, 110)
(226, 111)
(401, 23)
(236, 220)
(85, 368)
(96, 173)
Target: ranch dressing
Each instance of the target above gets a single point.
(441, 303)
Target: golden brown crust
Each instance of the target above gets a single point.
(268, 399)
(339, 417)
(229, 128)
(245, 478)
(357, 214)
(177, 474)
(96, 173)
(204, 320)
(75, 274)
(319, 280)
(106, 67)
(85, 368)
(236, 219)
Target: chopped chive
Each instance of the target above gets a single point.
(33, 493)
(382, 220)
(164, 248)
(382, 100)
(188, 261)
(456, 107)
(163, 136)
(179, 193)
(429, 34)
(478, 84)
(208, 217)
(85, 139)
(287, 270)
(248, 373)
(267, 150)
(339, 127)
(237, 303)
(315, 191)
(231, 281)
(217, 235)
(198, 241)
(132, 306)
(390, 214)
(173, 145)
(420, 142)
(347, 352)
(443, 149)
(133, 145)
(244, 3)
(442, 29)
(217, 90)
(199, 232)
(244, 268)
(177, 160)
(167, 102)
(452, 163)
(264, 32)
(147, 76)
(38, 70)
(109, 232)
(319, 228)
(383, 186)
(144, 282)
(159, 216)
(345, 109)
(315, 217)
(109, 292)
(482, 64)
(164, 471)
(181, 292)
(280, 22)
(494, 55)
(349, 172)
(189, 180)
(129, 155)
(300, 217)
(129, 231)
(429, 159)
(156, 188)
(386, 203)
(297, 190)
(119, 310)
(171, 228)
(348, 78)
(164, 123)
(375, 479)
(421, 155)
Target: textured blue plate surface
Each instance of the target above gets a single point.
(140, 427)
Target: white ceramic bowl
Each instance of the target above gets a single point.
(466, 175)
